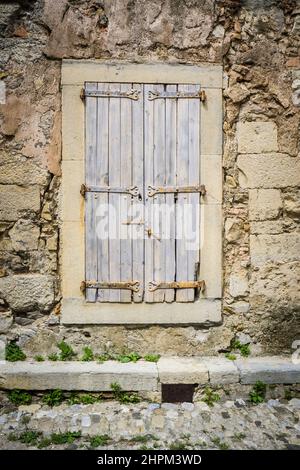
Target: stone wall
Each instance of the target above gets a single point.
(257, 42)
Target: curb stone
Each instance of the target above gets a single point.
(146, 376)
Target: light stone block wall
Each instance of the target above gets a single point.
(257, 137)
(256, 160)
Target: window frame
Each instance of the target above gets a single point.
(75, 309)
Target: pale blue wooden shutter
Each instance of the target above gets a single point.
(142, 139)
(172, 159)
(114, 162)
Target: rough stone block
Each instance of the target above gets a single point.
(24, 292)
(221, 370)
(14, 200)
(6, 320)
(238, 284)
(264, 204)
(268, 295)
(268, 370)
(2, 349)
(21, 171)
(273, 170)
(240, 307)
(184, 370)
(272, 227)
(89, 376)
(24, 235)
(233, 229)
(257, 137)
(292, 204)
(281, 248)
(238, 93)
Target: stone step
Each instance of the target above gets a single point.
(146, 376)
(76, 375)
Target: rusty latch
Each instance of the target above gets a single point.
(128, 285)
(132, 190)
(152, 286)
(152, 190)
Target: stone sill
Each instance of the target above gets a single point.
(147, 376)
(205, 312)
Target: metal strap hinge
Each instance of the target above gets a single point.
(155, 95)
(128, 285)
(133, 190)
(152, 285)
(131, 94)
(152, 190)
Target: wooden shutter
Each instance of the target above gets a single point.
(172, 159)
(151, 141)
(114, 159)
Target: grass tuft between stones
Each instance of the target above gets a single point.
(66, 351)
(122, 396)
(210, 396)
(97, 441)
(19, 397)
(258, 394)
(53, 398)
(14, 353)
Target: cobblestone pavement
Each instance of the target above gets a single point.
(233, 424)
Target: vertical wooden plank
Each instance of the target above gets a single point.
(171, 139)
(193, 221)
(138, 180)
(90, 217)
(148, 179)
(101, 179)
(182, 180)
(125, 199)
(159, 179)
(114, 199)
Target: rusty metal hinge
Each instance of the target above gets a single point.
(82, 94)
(133, 190)
(152, 190)
(131, 94)
(152, 285)
(128, 285)
(155, 95)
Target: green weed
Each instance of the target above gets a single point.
(230, 356)
(19, 397)
(244, 349)
(53, 398)
(44, 442)
(64, 437)
(97, 441)
(88, 354)
(39, 358)
(239, 436)
(53, 357)
(29, 437)
(210, 397)
(14, 353)
(152, 357)
(222, 445)
(130, 357)
(66, 351)
(258, 394)
(86, 399)
(178, 445)
(124, 397)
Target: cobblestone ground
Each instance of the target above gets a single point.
(233, 424)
